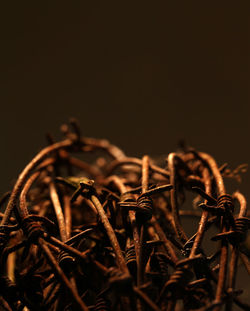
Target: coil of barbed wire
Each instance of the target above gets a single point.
(87, 227)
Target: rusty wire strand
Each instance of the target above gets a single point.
(122, 231)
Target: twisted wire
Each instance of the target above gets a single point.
(127, 197)
(242, 224)
(32, 229)
(182, 275)
(102, 304)
(225, 202)
(130, 258)
(179, 279)
(145, 208)
(66, 261)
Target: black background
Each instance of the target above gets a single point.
(143, 75)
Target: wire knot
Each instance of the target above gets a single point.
(127, 197)
(66, 261)
(225, 202)
(32, 229)
(145, 208)
(238, 234)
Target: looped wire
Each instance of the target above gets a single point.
(102, 304)
(32, 229)
(238, 234)
(242, 224)
(182, 275)
(145, 208)
(179, 279)
(66, 261)
(130, 258)
(224, 207)
(127, 197)
(225, 202)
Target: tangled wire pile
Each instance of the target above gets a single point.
(106, 234)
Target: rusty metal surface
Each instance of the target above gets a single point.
(108, 233)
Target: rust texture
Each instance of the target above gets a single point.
(88, 228)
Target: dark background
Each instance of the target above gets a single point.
(143, 75)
